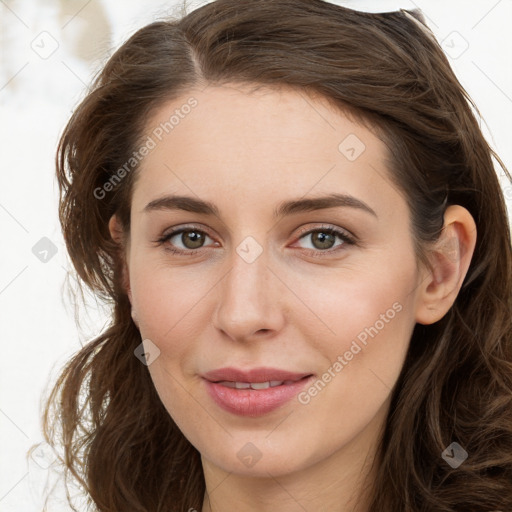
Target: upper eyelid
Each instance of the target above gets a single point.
(186, 227)
(327, 227)
(303, 230)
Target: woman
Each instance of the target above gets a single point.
(296, 219)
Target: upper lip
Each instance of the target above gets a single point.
(261, 374)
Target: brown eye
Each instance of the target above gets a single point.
(324, 239)
(192, 239)
(184, 241)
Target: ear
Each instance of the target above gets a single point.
(118, 235)
(450, 258)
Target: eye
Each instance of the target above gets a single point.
(323, 239)
(191, 238)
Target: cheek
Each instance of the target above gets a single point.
(362, 359)
(367, 318)
(166, 298)
(360, 304)
(168, 302)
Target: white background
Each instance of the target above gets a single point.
(37, 94)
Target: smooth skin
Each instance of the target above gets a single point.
(298, 306)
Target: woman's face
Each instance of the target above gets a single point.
(294, 255)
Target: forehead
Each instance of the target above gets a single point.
(249, 145)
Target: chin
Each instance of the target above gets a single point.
(251, 458)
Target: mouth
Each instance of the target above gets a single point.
(256, 392)
(258, 385)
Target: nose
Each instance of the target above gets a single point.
(250, 300)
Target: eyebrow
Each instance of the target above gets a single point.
(286, 208)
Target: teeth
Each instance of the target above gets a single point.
(260, 385)
(255, 385)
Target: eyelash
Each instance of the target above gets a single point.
(328, 229)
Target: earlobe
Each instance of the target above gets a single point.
(134, 316)
(450, 259)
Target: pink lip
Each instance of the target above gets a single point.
(253, 402)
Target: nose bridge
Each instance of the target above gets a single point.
(248, 302)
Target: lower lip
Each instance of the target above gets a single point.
(254, 402)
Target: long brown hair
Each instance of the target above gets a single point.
(118, 440)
